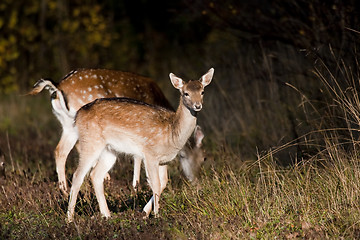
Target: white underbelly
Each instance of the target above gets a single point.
(125, 146)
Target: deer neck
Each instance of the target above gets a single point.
(184, 125)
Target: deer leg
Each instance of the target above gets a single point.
(107, 176)
(85, 163)
(105, 163)
(66, 143)
(137, 168)
(163, 175)
(152, 170)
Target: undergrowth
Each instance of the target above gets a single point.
(312, 199)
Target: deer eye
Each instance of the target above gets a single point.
(182, 154)
(186, 94)
(202, 93)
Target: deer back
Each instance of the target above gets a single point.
(85, 85)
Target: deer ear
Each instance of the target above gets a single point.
(177, 82)
(198, 136)
(207, 77)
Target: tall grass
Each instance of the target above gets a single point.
(308, 200)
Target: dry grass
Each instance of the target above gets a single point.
(315, 199)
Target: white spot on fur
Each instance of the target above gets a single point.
(86, 76)
(89, 89)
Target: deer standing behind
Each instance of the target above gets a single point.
(82, 86)
(151, 133)
(192, 156)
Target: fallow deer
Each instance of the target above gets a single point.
(82, 86)
(151, 133)
(192, 156)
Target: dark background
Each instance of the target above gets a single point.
(265, 92)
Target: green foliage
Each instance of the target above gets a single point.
(40, 36)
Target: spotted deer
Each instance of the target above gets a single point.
(151, 133)
(82, 86)
(192, 156)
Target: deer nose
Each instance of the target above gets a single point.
(197, 106)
